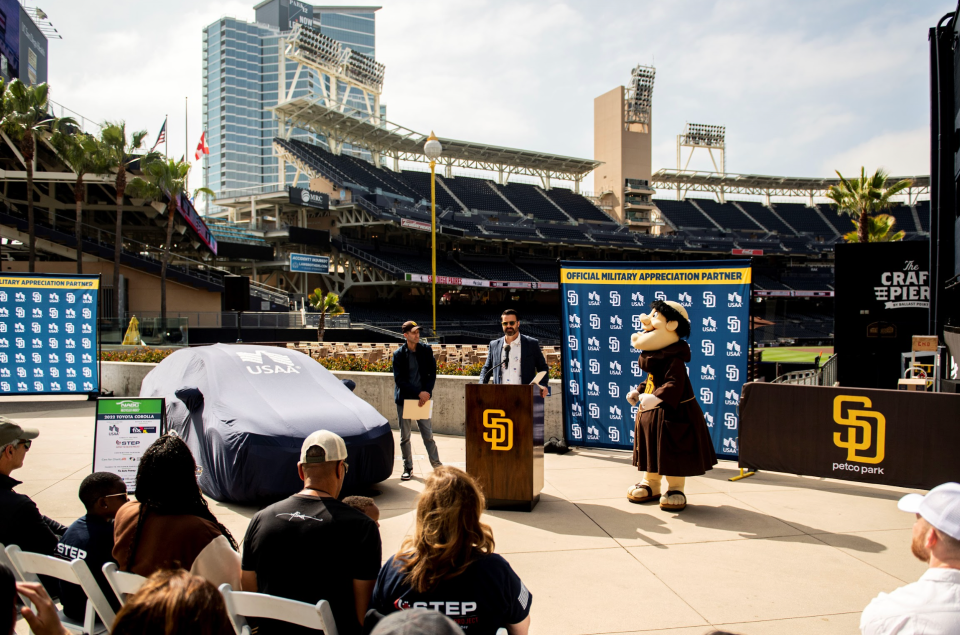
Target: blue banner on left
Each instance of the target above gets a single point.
(48, 334)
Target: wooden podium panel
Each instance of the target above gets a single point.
(504, 443)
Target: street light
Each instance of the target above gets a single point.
(432, 150)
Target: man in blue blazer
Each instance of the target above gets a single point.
(514, 358)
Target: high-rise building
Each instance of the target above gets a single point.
(240, 75)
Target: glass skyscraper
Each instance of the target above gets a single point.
(240, 75)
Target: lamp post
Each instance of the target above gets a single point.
(432, 150)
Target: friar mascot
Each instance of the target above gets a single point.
(671, 437)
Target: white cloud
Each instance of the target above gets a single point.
(905, 153)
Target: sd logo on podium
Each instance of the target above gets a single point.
(500, 435)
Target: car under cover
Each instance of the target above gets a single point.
(244, 411)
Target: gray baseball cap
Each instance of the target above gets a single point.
(11, 431)
(418, 621)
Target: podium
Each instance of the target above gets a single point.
(504, 442)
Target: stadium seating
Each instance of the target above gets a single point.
(923, 212)
(576, 205)
(496, 269)
(564, 233)
(529, 200)
(420, 182)
(411, 261)
(764, 216)
(904, 217)
(226, 231)
(477, 194)
(542, 271)
(517, 232)
(682, 214)
(804, 219)
(727, 215)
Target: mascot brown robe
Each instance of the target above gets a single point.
(671, 437)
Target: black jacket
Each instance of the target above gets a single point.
(401, 372)
(531, 361)
(22, 524)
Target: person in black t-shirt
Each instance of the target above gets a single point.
(449, 565)
(312, 547)
(90, 538)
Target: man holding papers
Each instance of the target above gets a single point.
(415, 373)
(515, 358)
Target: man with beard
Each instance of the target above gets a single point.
(671, 438)
(931, 605)
(514, 358)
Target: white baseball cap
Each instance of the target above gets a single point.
(334, 449)
(940, 507)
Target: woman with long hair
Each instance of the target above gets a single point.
(169, 526)
(174, 602)
(449, 563)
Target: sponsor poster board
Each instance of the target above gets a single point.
(309, 198)
(49, 340)
(602, 305)
(309, 263)
(124, 429)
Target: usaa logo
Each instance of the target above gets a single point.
(730, 445)
(593, 344)
(706, 347)
(709, 325)
(594, 367)
(614, 390)
(614, 298)
(594, 321)
(685, 299)
(614, 345)
(731, 398)
(593, 389)
(572, 342)
(574, 387)
(636, 299)
(709, 300)
(593, 433)
(734, 300)
(632, 436)
(615, 322)
(615, 413)
(576, 410)
(614, 433)
(594, 411)
(707, 372)
(708, 418)
(615, 368)
(733, 349)
(572, 298)
(660, 295)
(593, 298)
(574, 366)
(574, 321)
(706, 396)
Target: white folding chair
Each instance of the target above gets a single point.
(30, 565)
(122, 583)
(241, 605)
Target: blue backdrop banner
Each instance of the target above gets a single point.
(602, 304)
(48, 333)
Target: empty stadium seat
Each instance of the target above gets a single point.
(478, 194)
(804, 219)
(727, 215)
(682, 214)
(577, 206)
(767, 219)
(529, 200)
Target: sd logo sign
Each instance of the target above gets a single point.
(859, 420)
(500, 433)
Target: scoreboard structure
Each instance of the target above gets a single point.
(49, 336)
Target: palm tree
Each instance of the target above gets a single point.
(164, 177)
(879, 227)
(864, 196)
(84, 155)
(25, 117)
(118, 152)
(328, 304)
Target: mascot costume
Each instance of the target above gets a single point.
(671, 437)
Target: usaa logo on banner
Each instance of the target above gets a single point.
(598, 320)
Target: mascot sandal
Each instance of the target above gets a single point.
(668, 411)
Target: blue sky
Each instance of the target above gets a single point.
(803, 88)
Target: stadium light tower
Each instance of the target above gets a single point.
(698, 135)
(432, 150)
(638, 100)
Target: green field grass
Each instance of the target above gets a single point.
(796, 354)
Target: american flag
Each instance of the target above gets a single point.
(162, 136)
(202, 147)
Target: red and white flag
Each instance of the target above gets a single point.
(202, 147)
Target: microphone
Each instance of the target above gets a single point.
(504, 354)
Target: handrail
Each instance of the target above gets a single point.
(359, 253)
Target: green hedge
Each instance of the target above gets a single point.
(156, 355)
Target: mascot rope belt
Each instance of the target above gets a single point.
(671, 438)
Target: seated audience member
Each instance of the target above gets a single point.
(90, 538)
(21, 523)
(170, 526)
(42, 618)
(365, 505)
(312, 547)
(417, 622)
(449, 563)
(174, 602)
(930, 605)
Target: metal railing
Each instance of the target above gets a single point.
(826, 375)
(251, 319)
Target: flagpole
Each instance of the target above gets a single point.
(166, 136)
(186, 134)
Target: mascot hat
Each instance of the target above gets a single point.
(676, 306)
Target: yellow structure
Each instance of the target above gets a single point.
(132, 336)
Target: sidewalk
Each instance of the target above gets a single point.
(772, 554)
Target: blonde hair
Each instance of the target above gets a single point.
(449, 535)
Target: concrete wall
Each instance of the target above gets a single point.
(449, 413)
